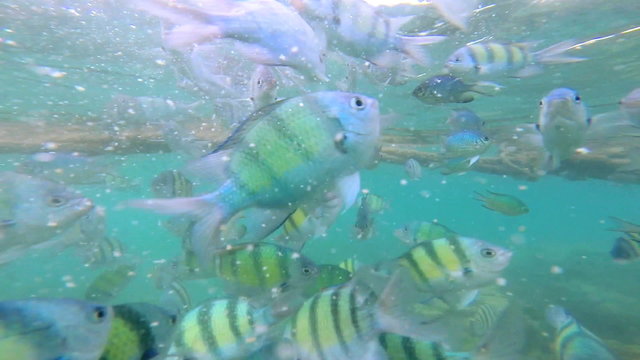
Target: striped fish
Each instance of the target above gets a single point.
(400, 347)
(572, 340)
(338, 323)
(110, 283)
(327, 276)
(104, 251)
(413, 169)
(171, 184)
(490, 58)
(370, 205)
(421, 231)
(283, 154)
(453, 262)
(139, 331)
(221, 329)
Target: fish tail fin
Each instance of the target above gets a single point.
(190, 24)
(507, 339)
(555, 54)
(456, 12)
(486, 88)
(412, 46)
(175, 298)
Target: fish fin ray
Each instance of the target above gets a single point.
(554, 54)
(349, 187)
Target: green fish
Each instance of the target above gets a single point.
(222, 329)
(44, 329)
(573, 341)
(503, 203)
(370, 205)
(399, 347)
(279, 157)
(110, 283)
(327, 276)
(421, 231)
(139, 331)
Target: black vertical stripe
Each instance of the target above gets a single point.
(206, 330)
(313, 323)
(353, 311)
(491, 57)
(409, 348)
(416, 268)
(256, 259)
(335, 318)
(459, 251)
(433, 255)
(232, 317)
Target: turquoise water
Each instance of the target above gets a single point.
(105, 49)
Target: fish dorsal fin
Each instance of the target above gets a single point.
(245, 126)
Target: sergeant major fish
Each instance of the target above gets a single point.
(443, 89)
(502, 203)
(279, 157)
(491, 58)
(268, 32)
(44, 329)
(563, 123)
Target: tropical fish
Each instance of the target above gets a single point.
(222, 329)
(630, 106)
(626, 248)
(263, 86)
(420, 231)
(139, 331)
(43, 329)
(267, 32)
(110, 283)
(452, 263)
(464, 119)
(413, 169)
(355, 28)
(563, 123)
(327, 276)
(462, 149)
(370, 206)
(491, 58)
(281, 156)
(444, 89)
(170, 184)
(572, 340)
(350, 264)
(34, 212)
(503, 203)
(399, 347)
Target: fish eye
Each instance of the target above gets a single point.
(457, 59)
(260, 81)
(56, 201)
(307, 270)
(577, 98)
(488, 253)
(173, 319)
(99, 313)
(357, 103)
(486, 138)
(540, 103)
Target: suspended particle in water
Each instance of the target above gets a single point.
(501, 281)
(556, 270)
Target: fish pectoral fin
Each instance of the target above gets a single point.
(348, 188)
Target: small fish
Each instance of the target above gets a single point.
(466, 143)
(451, 263)
(222, 329)
(626, 249)
(413, 169)
(43, 329)
(503, 203)
(110, 283)
(445, 89)
(263, 86)
(399, 347)
(420, 231)
(572, 340)
(139, 331)
(370, 206)
(630, 106)
(350, 264)
(357, 29)
(563, 123)
(271, 161)
(34, 211)
(171, 184)
(267, 31)
(465, 119)
(491, 58)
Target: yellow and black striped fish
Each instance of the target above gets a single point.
(171, 184)
(139, 331)
(398, 347)
(336, 324)
(221, 329)
(454, 262)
